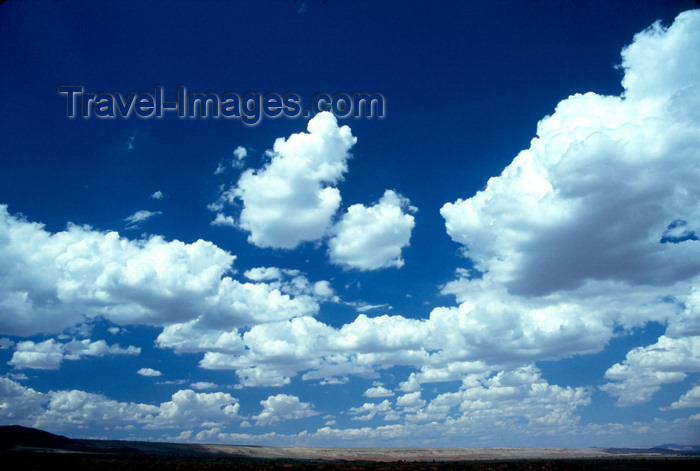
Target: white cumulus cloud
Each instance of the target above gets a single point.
(49, 354)
(149, 372)
(369, 238)
(378, 390)
(283, 407)
(689, 399)
(606, 176)
(292, 199)
(52, 281)
(646, 369)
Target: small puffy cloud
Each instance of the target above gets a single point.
(203, 386)
(378, 390)
(135, 220)
(369, 410)
(158, 195)
(240, 153)
(149, 372)
(291, 200)
(222, 220)
(369, 238)
(412, 399)
(283, 407)
(49, 354)
(263, 273)
(323, 289)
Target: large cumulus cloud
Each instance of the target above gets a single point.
(595, 225)
(595, 194)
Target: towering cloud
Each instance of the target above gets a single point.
(602, 184)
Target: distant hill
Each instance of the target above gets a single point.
(692, 449)
(16, 435)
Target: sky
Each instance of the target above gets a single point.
(508, 256)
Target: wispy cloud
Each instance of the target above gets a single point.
(139, 217)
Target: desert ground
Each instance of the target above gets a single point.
(24, 448)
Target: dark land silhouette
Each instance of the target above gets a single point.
(27, 448)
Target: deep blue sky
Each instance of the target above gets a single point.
(563, 287)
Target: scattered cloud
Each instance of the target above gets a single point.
(149, 372)
(369, 238)
(49, 354)
(646, 369)
(688, 400)
(291, 200)
(361, 306)
(221, 220)
(265, 273)
(158, 195)
(369, 410)
(283, 407)
(240, 153)
(58, 410)
(139, 217)
(378, 390)
(203, 386)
